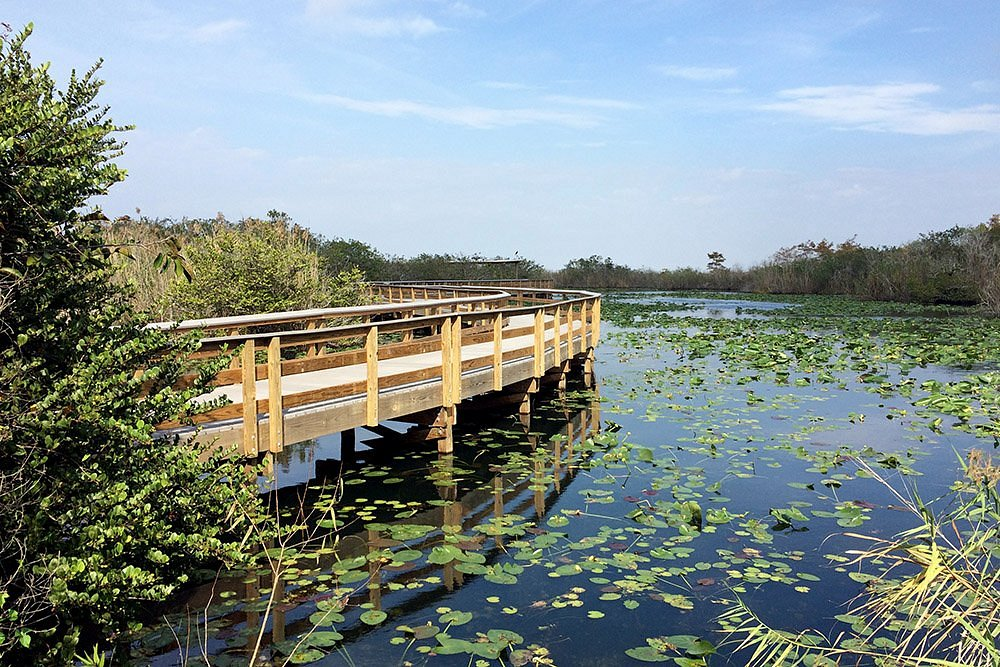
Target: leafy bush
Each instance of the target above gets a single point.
(99, 516)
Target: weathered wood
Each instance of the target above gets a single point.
(249, 363)
(371, 384)
(313, 349)
(275, 413)
(447, 359)
(446, 445)
(497, 352)
(557, 335)
(456, 365)
(597, 322)
(539, 338)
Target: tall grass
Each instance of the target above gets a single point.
(935, 599)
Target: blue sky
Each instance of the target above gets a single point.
(652, 131)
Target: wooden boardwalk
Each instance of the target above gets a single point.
(414, 356)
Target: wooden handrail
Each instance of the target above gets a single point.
(314, 314)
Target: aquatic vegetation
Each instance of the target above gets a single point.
(726, 459)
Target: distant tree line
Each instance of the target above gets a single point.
(273, 264)
(960, 265)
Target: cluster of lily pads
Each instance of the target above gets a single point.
(730, 450)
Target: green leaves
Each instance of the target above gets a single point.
(682, 650)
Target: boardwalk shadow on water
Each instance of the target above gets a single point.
(395, 530)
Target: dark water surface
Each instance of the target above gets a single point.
(613, 518)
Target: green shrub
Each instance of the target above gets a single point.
(98, 515)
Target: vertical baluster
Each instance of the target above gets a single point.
(276, 418)
(249, 364)
(371, 360)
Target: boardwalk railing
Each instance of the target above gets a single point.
(425, 348)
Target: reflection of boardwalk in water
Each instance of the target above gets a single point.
(277, 606)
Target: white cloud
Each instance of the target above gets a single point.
(391, 26)
(986, 86)
(505, 85)
(218, 30)
(698, 73)
(468, 116)
(594, 102)
(892, 107)
(463, 10)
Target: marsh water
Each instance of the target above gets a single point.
(726, 453)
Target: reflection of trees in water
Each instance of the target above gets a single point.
(560, 425)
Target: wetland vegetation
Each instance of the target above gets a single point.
(738, 500)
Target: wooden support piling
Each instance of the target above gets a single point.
(348, 445)
(446, 444)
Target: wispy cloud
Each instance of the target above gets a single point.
(468, 116)
(464, 10)
(369, 18)
(892, 107)
(986, 86)
(218, 31)
(506, 85)
(698, 73)
(592, 102)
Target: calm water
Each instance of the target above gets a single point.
(612, 518)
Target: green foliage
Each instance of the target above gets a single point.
(345, 255)
(597, 272)
(211, 268)
(256, 266)
(99, 516)
(427, 266)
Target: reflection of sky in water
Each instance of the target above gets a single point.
(705, 308)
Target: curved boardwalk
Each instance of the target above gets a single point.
(414, 356)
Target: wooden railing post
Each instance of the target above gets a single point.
(557, 336)
(583, 326)
(446, 361)
(539, 364)
(249, 362)
(456, 366)
(276, 418)
(371, 360)
(572, 327)
(312, 350)
(497, 352)
(597, 321)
